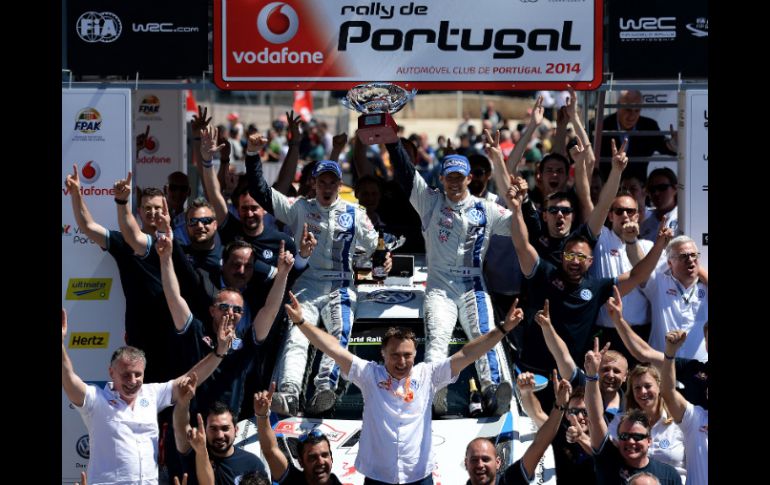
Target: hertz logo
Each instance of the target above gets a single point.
(89, 340)
(88, 289)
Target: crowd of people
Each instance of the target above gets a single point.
(226, 292)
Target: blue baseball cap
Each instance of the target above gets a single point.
(455, 163)
(327, 166)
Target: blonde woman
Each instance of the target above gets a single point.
(643, 393)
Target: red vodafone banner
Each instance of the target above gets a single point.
(446, 45)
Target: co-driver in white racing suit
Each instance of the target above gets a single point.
(339, 227)
(457, 229)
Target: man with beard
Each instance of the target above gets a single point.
(615, 463)
(339, 227)
(575, 297)
(396, 443)
(229, 463)
(314, 450)
(482, 462)
(122, 417)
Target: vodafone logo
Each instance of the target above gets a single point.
(278, 22)
(90, 172)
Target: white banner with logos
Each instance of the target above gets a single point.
(159, 135)
(447, 45)
(96, 135)
(694, 168)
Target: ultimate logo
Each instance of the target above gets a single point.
(89, 289)
(88, 121)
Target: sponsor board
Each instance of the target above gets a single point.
(89, 289)
(266, 44)
(89, 340)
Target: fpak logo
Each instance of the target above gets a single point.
(149, 106)
(89, 340)
(648, 29)
(88, 289)
(88, 120)
(93, 27)
(278, 22)
(90, 172)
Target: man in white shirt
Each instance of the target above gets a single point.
(122, 418)
(396, 440)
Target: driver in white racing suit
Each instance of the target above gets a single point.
(339, 227)
(457, 228)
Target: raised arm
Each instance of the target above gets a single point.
(580, 155)
(534, 121)
(320, 339)
(73, 385)
(526, 253)
(547, 432)
(198, 124)
(128, 227)
(597, 427)
(289, 167)
(642, 271)
(360, 161)
(676, 403)
(403, 166)
(197, 439)
(275, 458)
(82, 215)
(181, 415)
(560, 136)
(209, 147)
(266, 315)
(473, 350)
(525, 382)
(635, 344)
(555, 344)
(180, 311)
(610, 189)
(338, 144)
(630, 236)
(495, 154)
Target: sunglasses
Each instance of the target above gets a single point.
(226, 306)
(575, 411)
(178, 188)
(315, 433)
(203, 220)
(653, 189)
(634, 436)
(619, 211)
(564, 210)
(686, 256)
(573, 256)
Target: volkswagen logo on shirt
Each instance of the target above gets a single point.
(144, 403)
(345, 220)
(586, 294)
(390, 297)
(267, 254)
(82, 447)
(475, 216)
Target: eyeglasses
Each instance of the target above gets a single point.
(576, 411)
(620, 210)
(203, 220)
(178, 188)
(314, 433)
(226, 306)
(686, 256)
(564, 210)
(634, 436)
(572, 256)
(653, 189)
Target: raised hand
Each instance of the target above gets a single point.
(184, 480)
(615, 304)
(526, 382)
(209, 137)
(575, 431)
(285, 260)
(543, 317)
(562, 389)
(307, 243)
(199, 121)
(83, 479)
(537, 112)
(630, 231)
(187, 387)
(162, 220)
(571, 106)
(580, 153)
(141, 139)
(492, 145)
(123, 188)
(226, 332)
(293, 136)
(224, 153)
(255, 143)
(339, 141)
(514, 317)
(63, 325)
(594, 358)
(262, 400)
(72, 182)
(619, 157)
(449, 150)
(674, 341)
(294, 310)
(197, 437)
